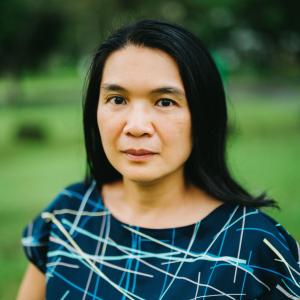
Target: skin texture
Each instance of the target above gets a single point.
(131, 115)
(33, 284)
(142, 121)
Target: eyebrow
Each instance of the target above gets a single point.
(161, 90)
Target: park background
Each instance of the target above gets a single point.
(45, 49)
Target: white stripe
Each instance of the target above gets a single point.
(282, 258)
(50, 216)
(95, 258)
(240, 243)
(298, 248)
(217, 295)
(83, 213)
(198, 284)
(283, 291)
(82, 205)
(57, 263)
(95, 253)
(170, 274)
(185, 252)
(196, 228)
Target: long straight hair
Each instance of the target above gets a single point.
(206, 166)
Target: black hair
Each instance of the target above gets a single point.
(206, 166)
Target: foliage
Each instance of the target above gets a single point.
(262, 33)
(30, 30)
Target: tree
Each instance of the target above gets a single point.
(30, 31)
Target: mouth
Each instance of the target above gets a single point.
(139, 154)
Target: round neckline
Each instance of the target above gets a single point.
(157, 231)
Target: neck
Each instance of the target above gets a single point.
(143, 198)
(164, 203)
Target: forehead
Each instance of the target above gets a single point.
(141, 66)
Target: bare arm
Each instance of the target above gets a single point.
(33, 284)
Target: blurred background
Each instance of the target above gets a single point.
(45, 50)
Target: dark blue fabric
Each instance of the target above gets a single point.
(235, 252)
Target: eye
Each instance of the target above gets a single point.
(165, 102)
(117, 100)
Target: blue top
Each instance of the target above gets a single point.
(235, 252)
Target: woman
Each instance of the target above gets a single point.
(158, 215)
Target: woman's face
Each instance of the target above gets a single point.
(142, 106)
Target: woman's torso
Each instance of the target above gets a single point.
(89, 254)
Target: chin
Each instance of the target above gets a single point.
(142, 177)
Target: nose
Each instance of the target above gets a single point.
(139, 121)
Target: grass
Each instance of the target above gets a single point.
(263, 153)
(31, 174)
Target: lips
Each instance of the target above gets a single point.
(138, 152)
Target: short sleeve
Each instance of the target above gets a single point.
(278, 293)
(283, 263)
(35, 238)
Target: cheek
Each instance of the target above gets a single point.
(105, 127)
(108, 123)
(184, 126)
(178, 132)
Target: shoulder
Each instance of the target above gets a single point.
(268, 253)
(261, 232)
(74, 196)
(72, 202)
(259, 225)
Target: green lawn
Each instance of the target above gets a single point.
(263, 152)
